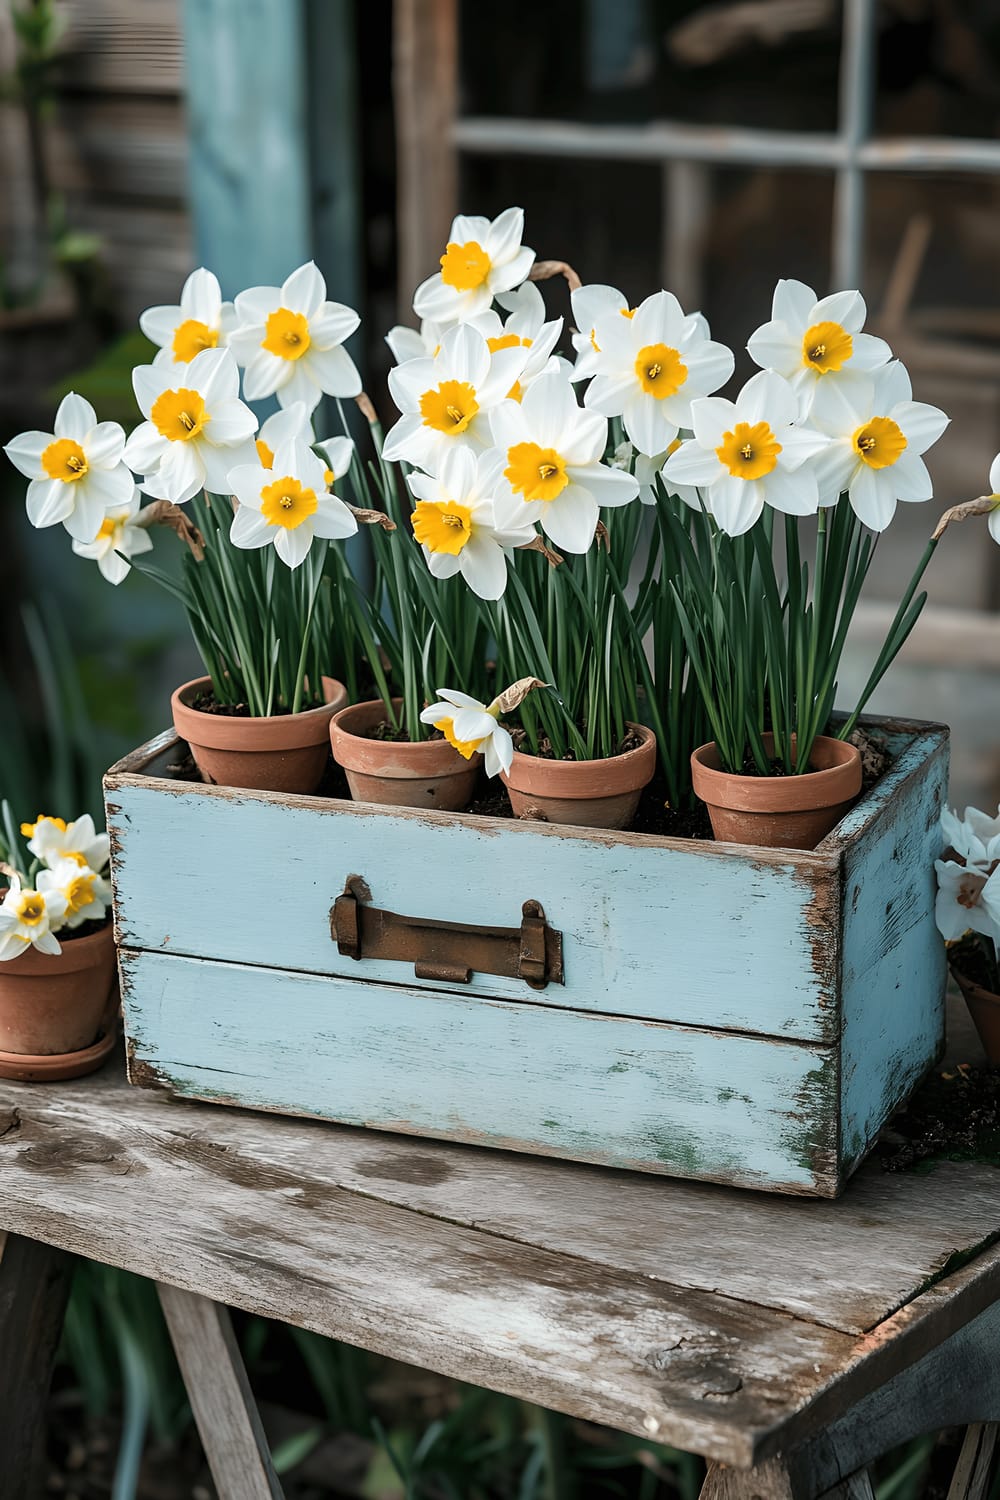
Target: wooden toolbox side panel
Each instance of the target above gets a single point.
(894, 969)
(746, 1110)
(702, 935)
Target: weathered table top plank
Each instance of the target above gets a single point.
(724, 1322)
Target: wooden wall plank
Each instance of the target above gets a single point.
(715, 1105)
(425, 93)
(119, 46)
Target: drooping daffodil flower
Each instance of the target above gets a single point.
(483, 257)
(77, 474)
(200, 321)
(196, 427)
(289, 338)
(290, 503)
(121, 536)
(29, 918)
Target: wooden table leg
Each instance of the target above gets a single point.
(221, 1399)
(34, 1289)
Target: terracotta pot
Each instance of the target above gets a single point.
(984, 1008)
(779, 812)
(52, 1008)
(585, 793)
(428, 773)
(282, 753)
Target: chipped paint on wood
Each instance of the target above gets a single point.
(621, 1092)
(762, 956)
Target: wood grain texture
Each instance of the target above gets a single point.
(34, 1288)
(691, 1103)
(221, 1399)
(119, 46)
(893, 960)
(250, 1210)
(425, 96)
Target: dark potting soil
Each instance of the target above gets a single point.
(85, 929)
(207, 703)
(631, 741)
(954, 1116)
(970, 958)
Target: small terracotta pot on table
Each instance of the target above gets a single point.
(57, 1011)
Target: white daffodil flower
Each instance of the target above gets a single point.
(411, 343)
(76, 472)
(471, 726)
(289, 340)
(648, 368)
(589, 304)
(994, 519)
(289, 504)
(968, 899)
(29, 918)
(195, 431)
(646, 467)
(86, 894)
(120, 536)
(975, 838)
(482, 259)
(526, 328)
(552, 468)
(446, 401)
(454, 521)
(814, 343)
(748, 453)
(877, 437)
(52, 839)
(200, 321)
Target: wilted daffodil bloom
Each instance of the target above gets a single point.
(289, 339)
(649, 367)
(446, 401)
(51, 839)
(289, 503)
(76, 472)
(454, 522)
(878, 435)
(86, 893)
(816, 342)
(201, 321)
(121, 536)
(472, 728)
(482, 258)
(552, 469)
(196, 430)
(748, 453)
(29, 918)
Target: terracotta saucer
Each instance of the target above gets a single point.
(61, 1065)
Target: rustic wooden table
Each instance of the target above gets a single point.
(790, 1341)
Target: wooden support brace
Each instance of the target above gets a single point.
(34, 1288)
(221, 1399)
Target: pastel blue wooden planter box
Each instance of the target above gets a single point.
(746, 1016)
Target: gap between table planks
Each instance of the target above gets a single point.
(727, 1323)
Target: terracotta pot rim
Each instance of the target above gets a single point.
(272, 732)
(969, 987)
(828, 787)
(77, 954)
(398, 759)
(628, 772)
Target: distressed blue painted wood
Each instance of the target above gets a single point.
(759, 1011)
(627, 1093)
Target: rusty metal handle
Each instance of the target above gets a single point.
(447, 951)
